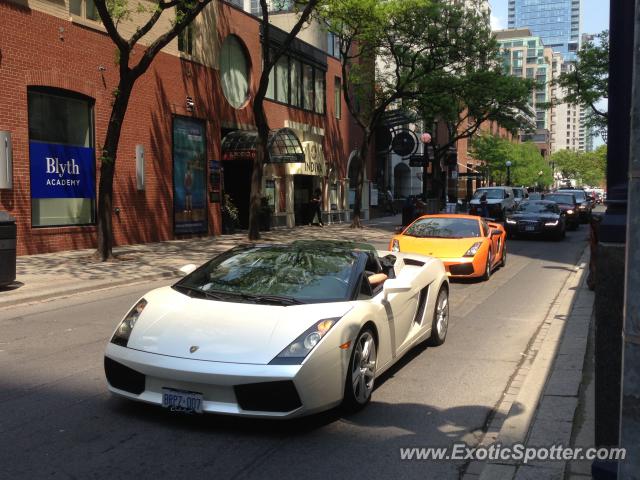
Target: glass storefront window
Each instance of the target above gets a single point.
(62, 158)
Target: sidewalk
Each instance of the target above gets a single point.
(66, 273)
(555, 403)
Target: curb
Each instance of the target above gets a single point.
(522, 413)
(69, 292)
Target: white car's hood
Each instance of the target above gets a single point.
(172, 323)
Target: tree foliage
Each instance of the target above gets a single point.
(528, 166)
(586, 168)
(588, 83)
(417, 46)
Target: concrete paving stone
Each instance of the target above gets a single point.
(550, 432)
(495, 471)
(557, 408)
(475, 468)
(564, 382)
(470, 476)
(538, 473)
(569, 361)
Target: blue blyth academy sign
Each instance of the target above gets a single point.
(61, 171)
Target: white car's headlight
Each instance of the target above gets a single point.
(298, 350)
(511, 221)
(123, 332)
(395, 245)
(473, 250)
(569, 212)
(551, 224)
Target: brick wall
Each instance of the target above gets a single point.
(36, 52)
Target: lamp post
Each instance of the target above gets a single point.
(508, 164)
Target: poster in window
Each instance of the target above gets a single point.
(189, 176)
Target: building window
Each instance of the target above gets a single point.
(307, 86)
(319, 93)
(61, 158)
(185, 40)
(337, 97)
(84, 9)
(298, 84)
(234, 72)
(282, 79)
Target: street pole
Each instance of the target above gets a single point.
(508, 164)
(630, 391)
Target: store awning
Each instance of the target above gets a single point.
(284, 146)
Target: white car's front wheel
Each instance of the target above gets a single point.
(440, 319)
(362, 371)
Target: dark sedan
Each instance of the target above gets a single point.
(584, 204)
(568, 205)
(537, 217)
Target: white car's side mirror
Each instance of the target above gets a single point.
(187, 269)
(395, 285)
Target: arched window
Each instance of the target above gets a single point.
(234, 71)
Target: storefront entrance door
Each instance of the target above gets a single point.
(237, 184)
(302, 194)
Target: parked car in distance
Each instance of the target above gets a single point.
(568, 205)
(584, 204)
(468, 246)
(500, 201)
(537, 217)
(520, 194)
(535, 196)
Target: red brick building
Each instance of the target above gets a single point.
(58, 75)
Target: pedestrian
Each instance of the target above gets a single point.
(484, 205)
(389, 202)
(316, 211)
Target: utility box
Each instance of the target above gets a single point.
(7, 249)
(6, 161)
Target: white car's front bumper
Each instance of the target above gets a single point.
(319, 382)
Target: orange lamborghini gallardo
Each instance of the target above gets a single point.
(468, 246)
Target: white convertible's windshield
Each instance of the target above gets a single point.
(278, 273)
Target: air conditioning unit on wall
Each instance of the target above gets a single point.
(6, 167)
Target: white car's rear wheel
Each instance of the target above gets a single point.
(362, 371)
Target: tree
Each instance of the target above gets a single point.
(586, 168)
(588, 83)
(270, 57)
(528, 166)
(462, 101)
(388, 49)
(112, 12)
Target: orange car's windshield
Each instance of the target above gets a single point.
(444, 228)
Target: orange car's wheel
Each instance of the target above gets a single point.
(487, 270)
(503, 259)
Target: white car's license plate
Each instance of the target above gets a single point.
(529, 228)
(181, 400)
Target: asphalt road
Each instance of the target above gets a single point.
(57, 419)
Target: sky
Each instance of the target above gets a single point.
(595, 15)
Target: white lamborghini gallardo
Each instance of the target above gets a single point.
(278, 330)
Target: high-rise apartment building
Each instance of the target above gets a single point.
(524, 55)
(566, 118)
(556, 22)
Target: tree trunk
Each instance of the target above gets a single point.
(361, 158)
(104, 251)
(258, 169)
